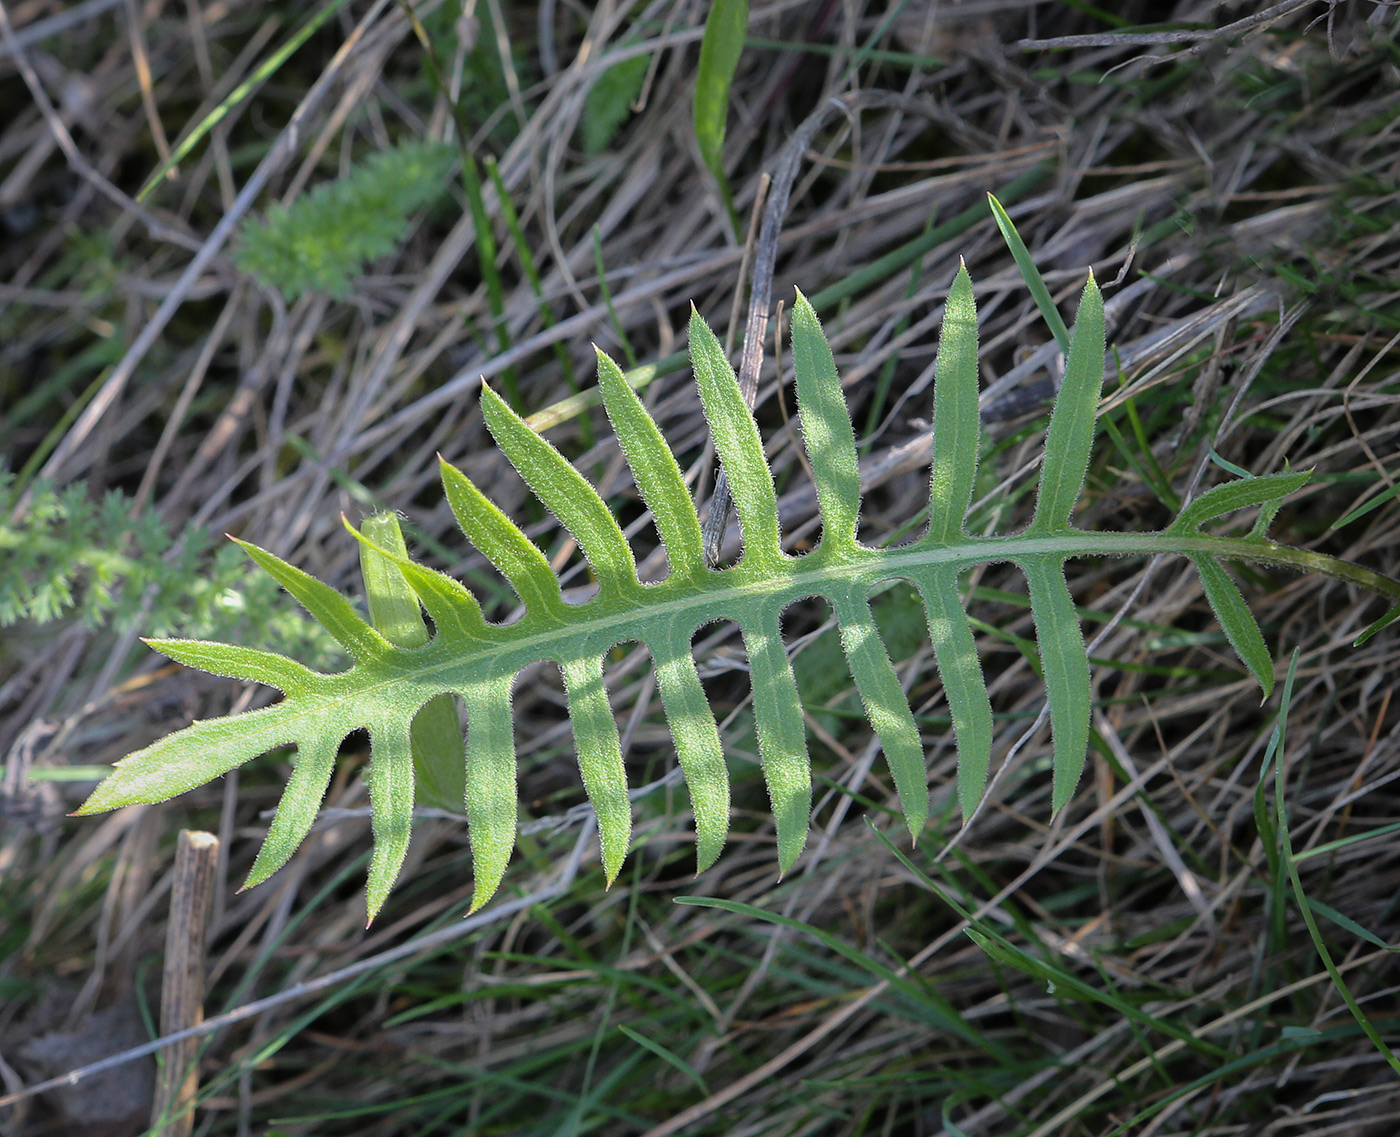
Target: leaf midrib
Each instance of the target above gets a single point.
(644, 611)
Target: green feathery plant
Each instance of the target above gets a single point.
(67, 556)
(325, 237)
(398, 674)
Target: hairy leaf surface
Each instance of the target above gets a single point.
(399, 684)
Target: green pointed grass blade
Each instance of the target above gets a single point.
(1071, 434)
(393, 605)
(1030, 274)
(740, 448)
(885, 705)
(439, 753)
(207, 750)
(782, 734)
(491, 791)
(1064, 662)
(235, 662)
(943, 1014)
(1384, 622)
(566, 494)
(330, 609)
(1220, 500)
(502, 543)
(391, 805)
(957, 428)
(826, 429)
(955, 653)
(296, 812)
(1362, 510)
(723, 43)
(1237, 620)
(697, 741)
(658, 477)
(599, 758)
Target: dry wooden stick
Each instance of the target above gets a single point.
(182, 985)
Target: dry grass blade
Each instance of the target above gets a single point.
(1235, 167)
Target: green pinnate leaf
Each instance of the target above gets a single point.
(885, 705)
(207, 750)
(698, 749)
(502, 543)
(491, 796)
(398, 673)
(235, 662)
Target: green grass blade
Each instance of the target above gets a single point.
(1384, 622)
(296, 811)
(565, 493)
(1030, 274)
(264, 71)
(599, 757)
(782, 735)
(502, 543)
(1237, 620)
(491, 793)
(1065, 664)
(826, 430)
(391, 792)
(957, 428)
(1070, 437)
(1281, 819)
(658, 477)
(940, 1010)
(723, 43)
(885, 705)
(1362, 510)
(739, 446)
(697, 742)
(955, 653)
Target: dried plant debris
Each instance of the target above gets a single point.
(1143, 960)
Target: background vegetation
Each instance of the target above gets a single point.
(1145, 964)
